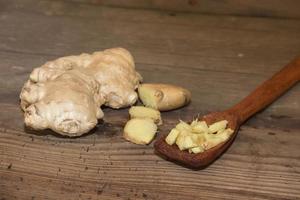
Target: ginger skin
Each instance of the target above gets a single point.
(66, 94)
(163, 97)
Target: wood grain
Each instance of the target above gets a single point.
(237, 53)
(256, 8)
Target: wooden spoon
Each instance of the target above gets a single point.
(262, 96)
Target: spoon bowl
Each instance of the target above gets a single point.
(205, 158)
(262, 96)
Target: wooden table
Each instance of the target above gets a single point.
(219, 57)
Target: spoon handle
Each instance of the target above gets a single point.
(268, 91)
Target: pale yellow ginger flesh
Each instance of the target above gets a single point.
(198, 136)
(140, 130)
(142, 127)
(163, 97)
(144, 112)
(65, 95)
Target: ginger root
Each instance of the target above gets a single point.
(140, 130)
(65, 95)
(163, 97)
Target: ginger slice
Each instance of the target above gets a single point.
(144, 112)
(163, 97)
(140, 130)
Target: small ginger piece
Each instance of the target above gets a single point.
(213, 140)
(217, 126)
(163, 97)
(185, 141)
(140, 130)
(199, 127)
(183, 126)
(172, 136)
(144, 112)
(197, 149)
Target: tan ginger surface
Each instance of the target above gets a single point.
(163, 97)
(65, 95)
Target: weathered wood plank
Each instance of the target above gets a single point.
(83, 165)
(180, 34)
(188, 48)
(210, 55)
(266, 8)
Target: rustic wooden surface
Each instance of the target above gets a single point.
(265, 8)
(219, 58)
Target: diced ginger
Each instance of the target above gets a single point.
(197, 136)
(213, 140)
(189, 142)
(140, 130)
(172, 136)
(194, 122)
(223, 133)
(183, 126)
(217, 126)
(200, 127)
(144, 112)
(198, 149)
(185, 141)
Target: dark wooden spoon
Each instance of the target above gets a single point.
(262, 96)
